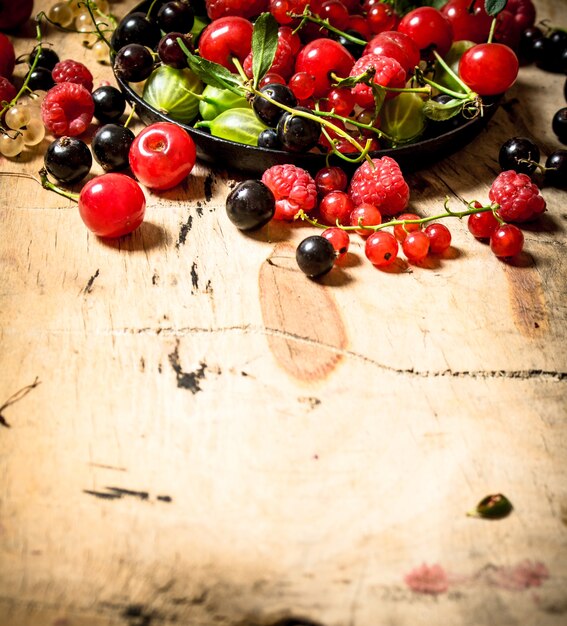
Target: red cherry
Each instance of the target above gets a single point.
(320, 58)
(14, 14)
(399, 46)
(470, 24)
(381, 17)
(489, 68)
(429, 28)
(162, 155)
(7, 57)
(358, 24)
(331, 178)
(226, 38)
(112, 205)
(336, 12)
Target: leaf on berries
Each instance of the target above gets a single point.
(212, 73)
(379, 94)
(493, 7)
(366, 78)
(439, 112)
(264, 45)
(495, 506)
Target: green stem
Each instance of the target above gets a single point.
(131, 116)
(492, 31)
(47, 184)
(453, 74)
(151, 8)
(307, 16)
(97, 29)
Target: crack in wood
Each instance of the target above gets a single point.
(116, 493)
(184, 231)
(89, 286)
(187, 380)
(16, 397)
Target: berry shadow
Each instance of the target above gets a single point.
(546, 223)
(522, 260)
(146, 237)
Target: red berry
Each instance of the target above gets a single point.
(471, 23)
(401, 230)
(303, 85)
(416, 246)
(339, 239)
(283, 61)
(270, 78)
(112, 205)
(381, 248)
(7, 56)
(70, 71)
(162, 155)
(336, 12)
(381, 17)
(329, 179)
(341, 101)
(382, 184)
(489, 68)
(429, 28)
(397, 46)
(482, 225)
(439, 238)
(223, 8)
(7, 91)
(365, 214)
(507, 241)
(225, 38)
(67, 109)
(389, 73)
(293, 189)
(336, 207)
(519, 198)
(14, 14)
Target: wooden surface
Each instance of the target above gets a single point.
(213, 439)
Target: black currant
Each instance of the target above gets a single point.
(135, 28)
(46, 57)
(40, 79)
(297, 133)
(109, 103)
(68, 159)
(526, 45)
(315, 256)
(133, 63)
(269, 139)
(559, 124)
(556, 169)
(250, 205)
(176, 15)
(519, 154)
(171, 53)
(268, 112)
(111, 146)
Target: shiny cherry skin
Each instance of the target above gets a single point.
(112, 205)
(396, 45)
(321, 57)
(429, 28)
(162, 155)
(470, 25)
(225, 38)
(489, 69)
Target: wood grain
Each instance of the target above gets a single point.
(194, 433)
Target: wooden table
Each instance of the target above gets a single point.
(205, 437)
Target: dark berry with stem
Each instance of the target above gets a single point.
(111, 146)
(109, 103)
(297, 133)
(171, 53)
(68, 160)
(250, 205)
(315, 256)
(176, 15)
(519, 154)
(267, 111)
(40, 79)
(135, 28)
(269, 139)
(133, 63)
(556, 169)
(559, 124)
(46, 57)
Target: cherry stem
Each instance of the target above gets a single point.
(307, 16)
(492, 31)
(453, 75)
(47, 184)
(148, 13)
(301, 215)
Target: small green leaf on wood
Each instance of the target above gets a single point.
(264, 44)
(493, 7)
(495, 506)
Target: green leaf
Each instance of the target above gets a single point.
(264, 44)
(495, 506)
(351, 81)
(439, 112)
(379, 94)
(493, 7)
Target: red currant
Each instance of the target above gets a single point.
(507, 241)
(365, 214)
(439, 238)
(401, 230)
(416, 246)
(336, 207)
(489, 68)
(332, 178)
(336, 12)
(381, 248)
(481, 225)
(302, 84)
(339, 239)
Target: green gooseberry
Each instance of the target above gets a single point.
(402, 118)
(215, 101)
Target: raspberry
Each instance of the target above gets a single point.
(293, 188)
(389, 73)
(222, 8)
(70, 71)
(7, 91)
(67, 109)
(282, 64)
(518, 197)
(381, 184)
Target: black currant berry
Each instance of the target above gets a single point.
(526, 45)
(519, 154)
(40, 79)
(176, 15)
(46, 57)
(556, 169)
(269, 139)
(315, 256)
(559, 124)
(250, 205)
(268, 112)
(68, 159)
(296, 133)
(171, 53)
(133, 63)
(111, 146)
(109, 103)
(135, 28)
